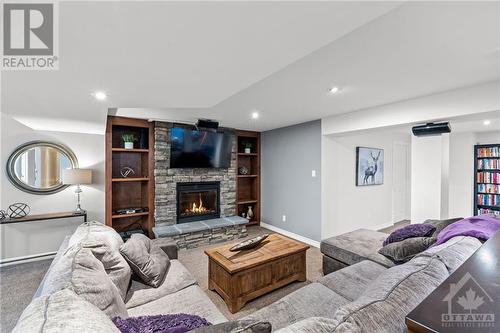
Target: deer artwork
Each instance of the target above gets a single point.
(371, 170)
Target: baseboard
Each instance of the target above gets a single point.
(26, 259)
(290, 234)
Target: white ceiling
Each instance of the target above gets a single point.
(222, 60)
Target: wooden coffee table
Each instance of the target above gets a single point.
(242, 276)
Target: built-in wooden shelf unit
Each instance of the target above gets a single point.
(136, 190)
(248, 186)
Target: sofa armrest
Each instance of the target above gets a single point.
(168, 246)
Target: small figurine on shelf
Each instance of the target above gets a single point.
(243, 215)
(128, 141)
(248, 148)
(249, 213)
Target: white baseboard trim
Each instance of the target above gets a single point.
(26, 259)
(290, 234)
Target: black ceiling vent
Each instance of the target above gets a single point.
(431, 129)
(207, 124)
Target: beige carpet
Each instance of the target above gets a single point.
(196, 262)
(18, 283)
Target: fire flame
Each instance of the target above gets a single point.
(197, 209)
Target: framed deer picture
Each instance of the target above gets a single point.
(369, 166)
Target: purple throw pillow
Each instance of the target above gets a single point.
(412, 230)
(170, 323)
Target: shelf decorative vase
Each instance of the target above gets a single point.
(128, 145)
(250, 213)
(248, 150)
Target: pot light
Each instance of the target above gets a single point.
(100, 95)
(486, 122)
(333, 90)
(255, 115)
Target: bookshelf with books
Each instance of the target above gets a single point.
(487, 179)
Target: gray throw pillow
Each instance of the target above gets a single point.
(441, 224)
(406, 249)
(90, 281)
(146, 259)
(63, 312)
(240, 326)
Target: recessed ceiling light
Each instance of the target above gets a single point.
(333, 90)
(255, 115)
(487, 122)
(100, 95)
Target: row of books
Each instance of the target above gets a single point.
(488, 188)
(488, 199)
(481, 211)
(488, 164)
(488, 152)
(488, 177)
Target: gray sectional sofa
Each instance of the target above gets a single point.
(363, 297)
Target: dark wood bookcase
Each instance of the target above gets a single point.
(136, 190)
(248, 186)
(487, 179)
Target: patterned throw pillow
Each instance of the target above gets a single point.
(412, 230)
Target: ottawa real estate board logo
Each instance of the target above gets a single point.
(469, 306)
(30, 36)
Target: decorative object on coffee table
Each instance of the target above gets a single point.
(249, 244)
(369, 166)
(243, 170)
(127, 171)
(249, 213)
(128, 141)
(241, 277)
(3, 214)
(18, 210)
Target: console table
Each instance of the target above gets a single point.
(469, 296)
(44, 217)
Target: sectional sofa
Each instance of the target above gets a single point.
(363, 297)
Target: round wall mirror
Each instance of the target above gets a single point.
(36, 167)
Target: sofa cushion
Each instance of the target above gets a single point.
(356, 246)
(403, 251)
(177, 278)
(313, 300)
(311, 325)
(411, 230)
(441, 224)
(454, 252)
(146, 259)
(190, 300)
(105, 244)
(90, 281)
(238, 326)
(350, 282)
(63, 312)
(385, 303)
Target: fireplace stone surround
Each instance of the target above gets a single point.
(166, 179)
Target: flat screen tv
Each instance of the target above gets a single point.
(199, 149)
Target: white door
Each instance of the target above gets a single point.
(400, 182)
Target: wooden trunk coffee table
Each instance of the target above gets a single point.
(242, 276)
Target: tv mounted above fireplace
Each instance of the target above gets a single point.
(199, 149)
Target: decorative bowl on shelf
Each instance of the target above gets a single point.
(248, 244)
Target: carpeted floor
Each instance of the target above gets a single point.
(18, 283)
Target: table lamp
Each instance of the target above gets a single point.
(77, 177)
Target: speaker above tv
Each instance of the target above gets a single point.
(431, 129)
(190, 148)
(207, 124)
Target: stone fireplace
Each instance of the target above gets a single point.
(197, 201)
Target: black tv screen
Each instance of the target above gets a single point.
(199, 149)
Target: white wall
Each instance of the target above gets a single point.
(426, 177)
(345, 206)
(488, 137)
(89, 149)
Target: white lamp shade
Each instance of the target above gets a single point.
(77, 176)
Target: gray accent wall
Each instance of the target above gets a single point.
(289, 155)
